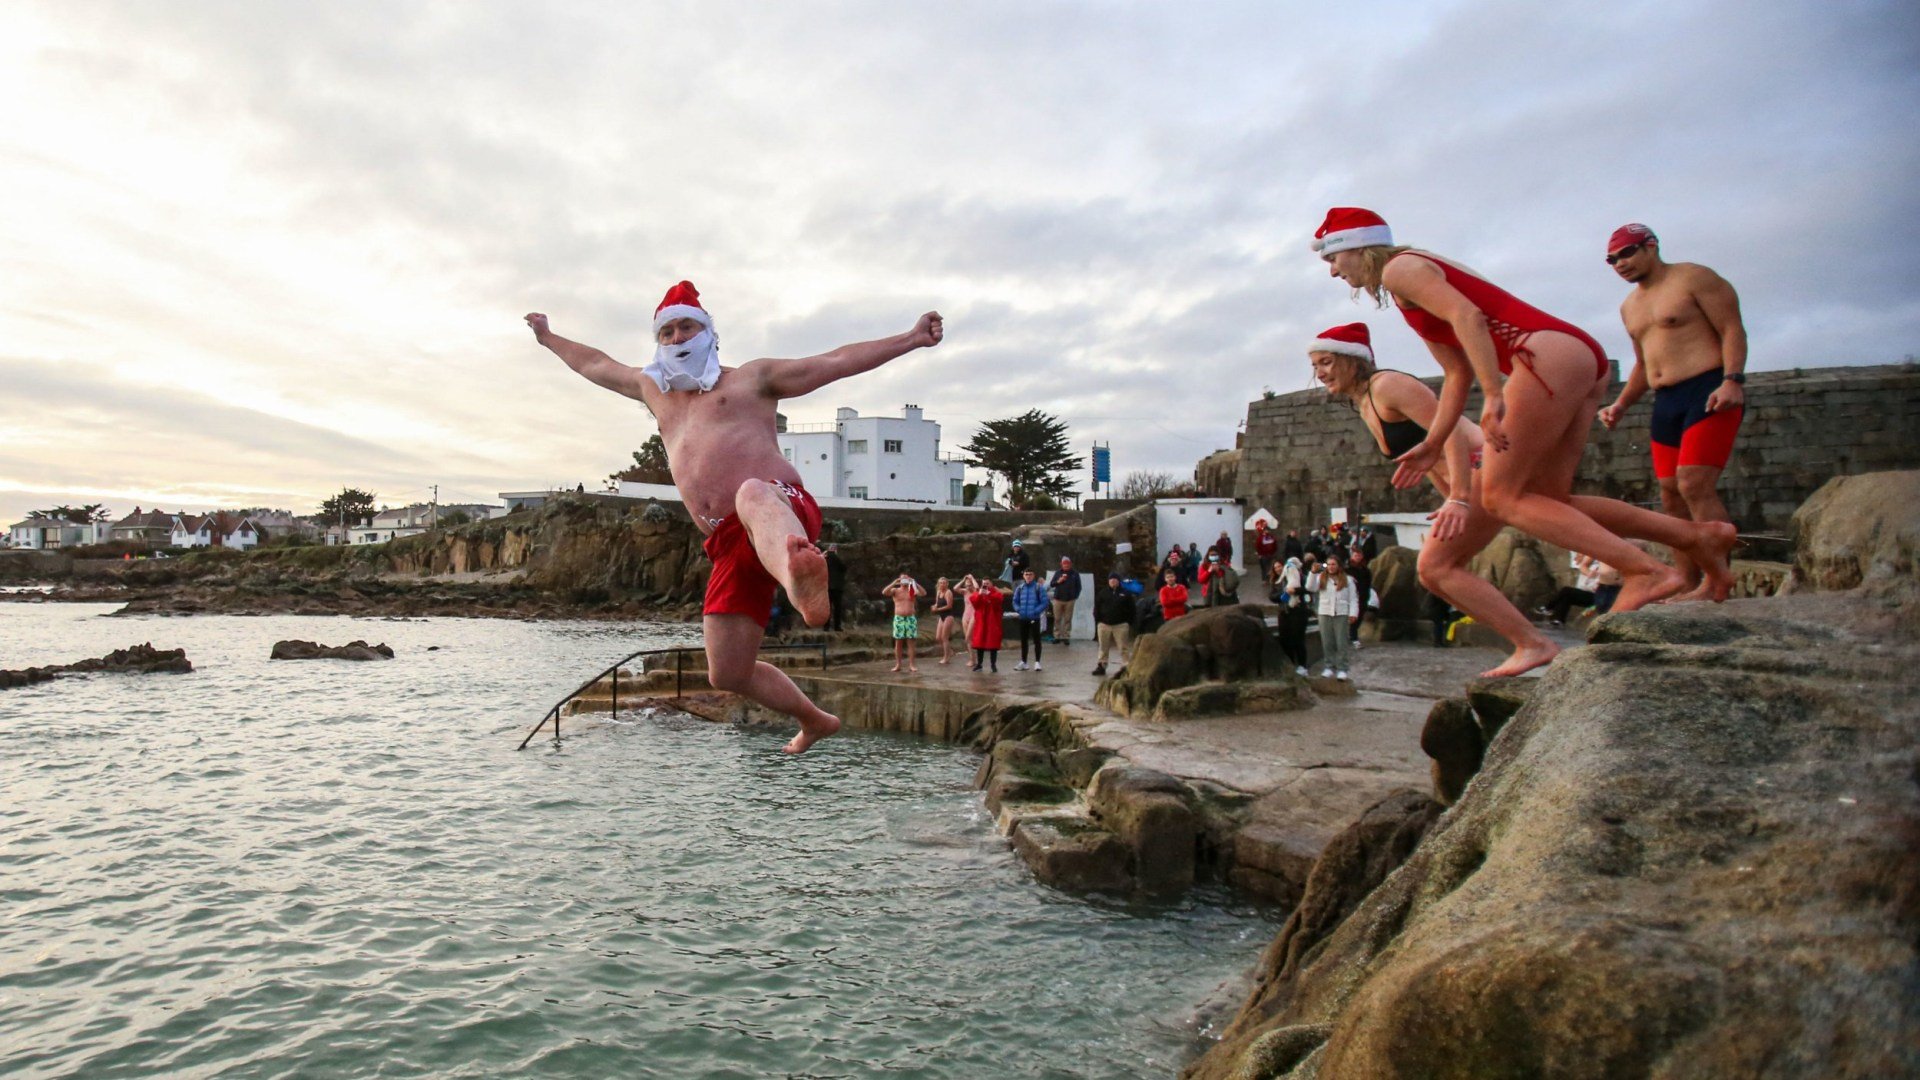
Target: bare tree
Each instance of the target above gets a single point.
(1145, 484)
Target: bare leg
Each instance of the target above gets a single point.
(1700, 493)
(784, 549)
(1443, 570)
(912, 643)
(897, 644)
(1675, 505)
(733, 664)
(1529, 485)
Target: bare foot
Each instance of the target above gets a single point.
(943, 659)
(1651, 587)
(1711, 557)
(808, 569)
(812, 731)
(1702, 591)
(1525, 658)
(896, 667)
(911, 670)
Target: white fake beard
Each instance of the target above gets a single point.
(693, 364)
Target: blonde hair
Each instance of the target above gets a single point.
(1373, 266)
(1357, 373)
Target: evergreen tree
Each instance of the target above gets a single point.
(1030, 452)
(649, 465)
(349, 507)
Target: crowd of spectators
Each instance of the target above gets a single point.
(1321, 580)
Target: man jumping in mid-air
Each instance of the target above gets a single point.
(718, 426)
(1690, 347)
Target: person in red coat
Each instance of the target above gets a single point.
(988, 604)
(1265, 547)
(1173, 597)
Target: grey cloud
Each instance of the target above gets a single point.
(1110, 205)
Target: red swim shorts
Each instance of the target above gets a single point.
(739, 585)
(1685, 433)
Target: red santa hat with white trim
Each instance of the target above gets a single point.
(681, 302)
(1353, 339)
(1351, 227)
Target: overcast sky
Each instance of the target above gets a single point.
(256, 251)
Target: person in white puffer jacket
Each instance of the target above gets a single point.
(1339, 609)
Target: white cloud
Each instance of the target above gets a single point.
(329, 218)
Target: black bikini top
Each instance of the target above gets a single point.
(1400, 435)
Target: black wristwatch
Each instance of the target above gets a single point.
(1735, 377)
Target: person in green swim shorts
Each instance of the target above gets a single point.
(905, 594)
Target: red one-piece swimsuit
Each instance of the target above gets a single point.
(1511, 319)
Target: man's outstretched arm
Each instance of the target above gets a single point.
(597, 367)
(795, 378)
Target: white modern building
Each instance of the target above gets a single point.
(45, 534)
(887, 458)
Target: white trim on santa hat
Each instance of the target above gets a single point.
(681, 311)
(1340, 348)
(1364, 236)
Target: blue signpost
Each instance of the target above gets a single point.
(1102, 466)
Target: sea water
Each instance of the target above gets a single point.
(329, 868)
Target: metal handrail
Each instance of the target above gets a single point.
(678, 652)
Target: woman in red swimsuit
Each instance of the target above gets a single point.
(1536, 425)
(1397, 409)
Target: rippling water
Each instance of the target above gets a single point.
(323, 868)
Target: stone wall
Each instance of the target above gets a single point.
(1304, 453)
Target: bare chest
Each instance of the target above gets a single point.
(1662, 310)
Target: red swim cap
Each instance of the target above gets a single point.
(1630, 234)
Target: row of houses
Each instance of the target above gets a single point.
(152, 528)
(228, 529)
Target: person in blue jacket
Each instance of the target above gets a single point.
(1029, 604)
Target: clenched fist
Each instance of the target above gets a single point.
(927, 332)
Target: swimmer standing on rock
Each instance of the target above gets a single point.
(760, 523)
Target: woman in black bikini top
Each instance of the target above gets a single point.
(1396, 437)
(1343, 362)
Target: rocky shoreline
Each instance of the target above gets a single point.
(1691, 849)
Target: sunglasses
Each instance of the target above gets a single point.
(1624, 253)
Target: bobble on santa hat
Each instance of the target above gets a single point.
(1352, 339)
(681, 302)
(1351, 227)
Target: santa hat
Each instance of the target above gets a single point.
(1352, 339)
(681, 302)
(1351, 227)
(1635, 233)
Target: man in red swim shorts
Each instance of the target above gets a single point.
(1691, 348)
(718, 426)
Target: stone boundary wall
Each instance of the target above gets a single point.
(1303, 453)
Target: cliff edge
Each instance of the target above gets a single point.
(1695, 852)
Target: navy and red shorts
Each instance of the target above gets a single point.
(1685, 433)
(739, 585)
